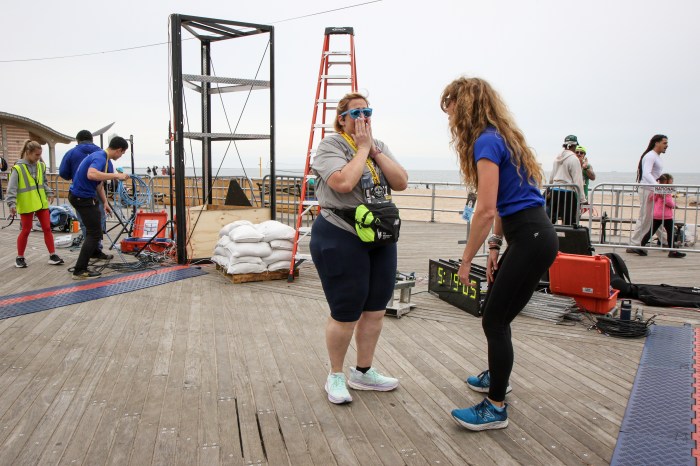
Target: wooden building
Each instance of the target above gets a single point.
(15, 129)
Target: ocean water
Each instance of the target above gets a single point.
(449, 176)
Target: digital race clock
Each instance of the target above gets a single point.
(444, 283)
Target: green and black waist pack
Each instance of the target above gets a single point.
(374, 223)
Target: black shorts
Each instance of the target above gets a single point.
(356, 276)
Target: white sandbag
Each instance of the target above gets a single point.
(282, 244)
(221, 260)
(223, 241)
(260, 249)
(222, 251)
(246, 234)
(280, 265)
(246, 260)
(272, 229)
(225, 230)
(278, 255)
(246, 268)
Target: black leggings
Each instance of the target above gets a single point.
(532, 247)
(668, 226)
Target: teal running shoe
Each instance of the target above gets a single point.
(483, 416)
(481, 383)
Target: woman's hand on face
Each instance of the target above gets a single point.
(363, 134)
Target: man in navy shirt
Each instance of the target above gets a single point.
(86, 189)
(69, 165)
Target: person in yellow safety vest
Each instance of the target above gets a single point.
(27, 195)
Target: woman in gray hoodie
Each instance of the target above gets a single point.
(28, 195)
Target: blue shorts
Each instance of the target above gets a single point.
(356, 276)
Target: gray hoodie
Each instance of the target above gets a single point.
(567, 170)
(11, 195)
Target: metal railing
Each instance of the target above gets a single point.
(614, 209)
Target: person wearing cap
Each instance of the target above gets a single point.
(67, 170)
(586, 169)
(566, 171)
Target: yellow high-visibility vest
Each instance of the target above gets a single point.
(31, 195)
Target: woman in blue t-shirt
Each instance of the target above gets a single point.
(495, 158)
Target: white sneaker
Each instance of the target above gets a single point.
(371, 380)
(337, 390)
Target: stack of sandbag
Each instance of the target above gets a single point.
(244, 247)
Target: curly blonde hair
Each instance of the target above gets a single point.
(477, 105)
(343, 106)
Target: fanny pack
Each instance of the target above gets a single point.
(374, 223)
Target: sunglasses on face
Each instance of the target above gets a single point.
(580, 153)
(356, 112)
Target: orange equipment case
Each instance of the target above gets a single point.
(146, 225)
(586, 279)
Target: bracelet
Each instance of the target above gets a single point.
(497, 239)
(497, 248)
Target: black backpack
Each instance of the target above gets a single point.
(620, 276)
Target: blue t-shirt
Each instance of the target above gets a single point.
(514, 194)
(84, 187)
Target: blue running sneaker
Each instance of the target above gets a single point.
(337, 390)
(371, 380)
(483, 416)
(482, 382)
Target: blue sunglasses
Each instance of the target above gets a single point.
(356, 112)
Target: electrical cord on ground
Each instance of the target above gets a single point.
(621, 328)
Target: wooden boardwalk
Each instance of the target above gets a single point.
(202, 371)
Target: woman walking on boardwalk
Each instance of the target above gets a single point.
(495, 158)
(27, 195)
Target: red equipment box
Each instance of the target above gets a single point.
(146, 226)
(586, 279)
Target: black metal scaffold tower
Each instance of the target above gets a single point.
(210, 31)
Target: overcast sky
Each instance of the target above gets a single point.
(611, 72)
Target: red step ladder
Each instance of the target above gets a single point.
(330, 88)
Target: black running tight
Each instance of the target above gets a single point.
(532, 247)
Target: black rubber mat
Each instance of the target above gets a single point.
(88, 290)
(658, 424)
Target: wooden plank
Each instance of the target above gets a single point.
(256, 350)
(39, 395)
(106, 429)
(205, 222)
(128, 424)
(208, 436)
(229, 436)
(165, 450)
(251, 445)
(256, 277)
